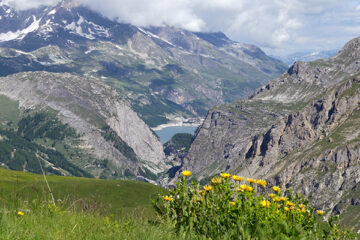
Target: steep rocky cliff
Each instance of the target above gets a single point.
(106, 126)
(299, 131)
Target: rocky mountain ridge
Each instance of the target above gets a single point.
(299, 131)
(107, 127)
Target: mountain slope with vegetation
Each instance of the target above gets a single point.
(298, 131)
(66, 122)
(162, 72)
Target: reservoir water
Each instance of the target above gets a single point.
(166, 134)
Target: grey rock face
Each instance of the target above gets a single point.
(300, 131)
(88, 106)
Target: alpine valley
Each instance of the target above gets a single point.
(79, 94)
(79, 91)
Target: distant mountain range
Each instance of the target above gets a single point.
(307, 56)
(162, 72)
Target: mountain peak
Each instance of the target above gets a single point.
(353, 45)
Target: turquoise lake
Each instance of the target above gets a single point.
(165, 134)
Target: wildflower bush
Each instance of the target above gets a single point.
(231, 207)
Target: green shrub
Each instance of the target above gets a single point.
(228, 208)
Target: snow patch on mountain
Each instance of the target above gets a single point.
(20, 34)
(75, 27)
(52, 12)
(154, 36)
(82, 26)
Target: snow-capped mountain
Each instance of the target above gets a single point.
(62, 24)
(182, 73)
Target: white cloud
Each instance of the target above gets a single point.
(145, 13)
(27, 4)
(276, 25)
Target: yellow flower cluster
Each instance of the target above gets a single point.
(261, 182)
(246, 188)
(320, 212)
(237, 178)
(265, 203)
(276, 189)
(186, 173)
(225, 175)
(216, 180)
(250, 180)
(220, 194)
(302, 208)
(278, 199)
(271, 195)
(290, 204)
(20, 213)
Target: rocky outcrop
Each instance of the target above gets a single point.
(90, 107)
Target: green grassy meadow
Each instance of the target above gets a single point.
(83, 208)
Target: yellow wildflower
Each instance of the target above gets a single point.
(261, 182)
(265, 203)
(233, 204)
(249, 189)
(287, 209)
(303, 210)
(276, 188)
(216, 180)
(290, 204)
(246, 188)
(320, 212)
(250, 180)
(186, 173)
(202, 192)
(225, 175)
(208, 188)
(278, 199)
(283, 199)
(301, 206)
(243, 187)
(240, 189)
(237, 178)
(167, 198)
(20, 213)
(271, 195)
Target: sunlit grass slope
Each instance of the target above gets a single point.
(115, 196)
(83, 208)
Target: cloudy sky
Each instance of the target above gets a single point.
(277, 26)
